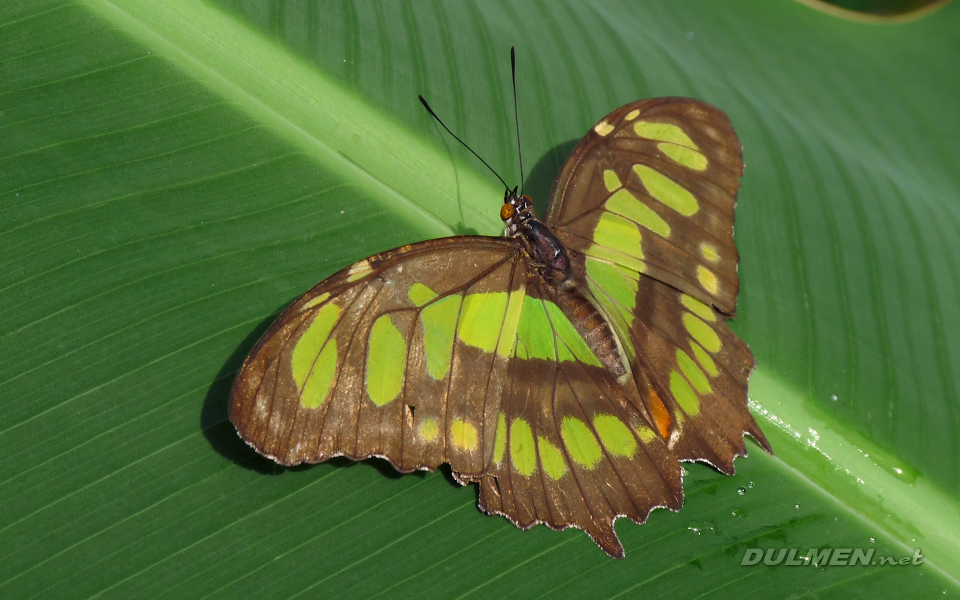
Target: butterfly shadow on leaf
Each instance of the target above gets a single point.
(215, 425)
(540, 179)
(460, 228)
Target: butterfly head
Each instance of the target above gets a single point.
(517, 209)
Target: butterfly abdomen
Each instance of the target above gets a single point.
(552, 264)
(592, 326)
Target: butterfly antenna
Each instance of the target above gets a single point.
(434, 115)
(516, 113)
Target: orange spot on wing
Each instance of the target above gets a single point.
(660, 414)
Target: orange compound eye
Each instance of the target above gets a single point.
(507, 211)
(527, 198)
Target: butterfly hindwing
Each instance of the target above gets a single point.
(573, 450)
(699, 369)
(653, 187)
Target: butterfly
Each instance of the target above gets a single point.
(567, 367)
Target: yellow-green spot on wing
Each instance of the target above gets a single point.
(615, 435)
(420, 294)
(508, 335)
(551, 459)
(523, 452)
(534, 332)
(704, 359)
(481, 319)
(698, 308)
(628, 273)
(674, 143)
(611, 181)
(707, 279)
(314, 358)
(571, 343)
(607, 254)
(315, 301)
(359, 270)
(664, 132)
(386, 361)
(683, 155)
(646, 434)
(618, 240)
(603, 128)
(439, 323)
(463, 434)
(709, 252)
(626, 204)
(581, 444)
(317, 386)
(632, 115)
(693, 373)
(667, 191)
(500, 441)
(619, 234)
(428, 430)
(622, 290)
(702, 332)
(684, 394)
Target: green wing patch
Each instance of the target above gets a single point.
(314, 358)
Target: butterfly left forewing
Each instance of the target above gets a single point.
(394, 357)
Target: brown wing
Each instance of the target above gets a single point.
(389, 357)
(645, 205)
(653, 186)
(703, 368)
(686, 363)
(571, 449)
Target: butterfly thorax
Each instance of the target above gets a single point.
(551, 263)
(550, 258)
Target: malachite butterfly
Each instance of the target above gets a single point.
(567, 367)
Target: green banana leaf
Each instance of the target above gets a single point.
(174, 172)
